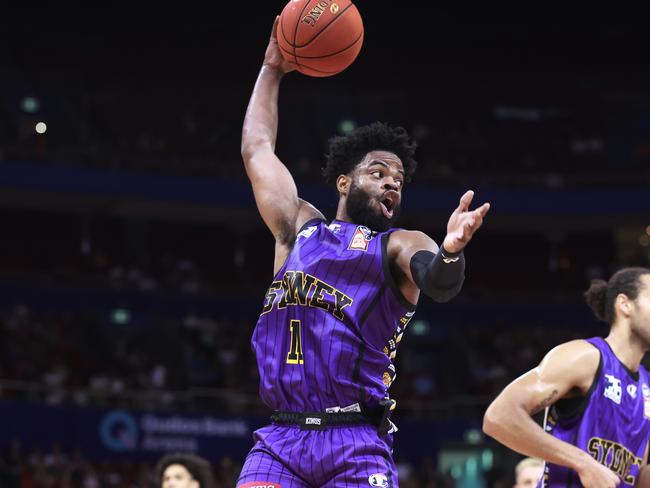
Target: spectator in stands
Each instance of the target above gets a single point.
(528, 472)
(181, 470)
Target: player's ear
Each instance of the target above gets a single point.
(343, 183)
(624, 304)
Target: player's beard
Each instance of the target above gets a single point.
(640, 328)
(361, 207)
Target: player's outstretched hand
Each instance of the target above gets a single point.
(273, 57)
(595, 475)
(463, 223)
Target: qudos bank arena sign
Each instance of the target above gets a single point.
(124, 431)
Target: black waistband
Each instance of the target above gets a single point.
(377, 416)
(319, 421)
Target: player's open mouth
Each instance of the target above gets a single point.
(387, 207)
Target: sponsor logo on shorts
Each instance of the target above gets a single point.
(378, 479)
(312, 421)
(259, 484)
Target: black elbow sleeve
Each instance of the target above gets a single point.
(439, 276)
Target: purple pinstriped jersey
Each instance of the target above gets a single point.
(612, 424)
(331, 321)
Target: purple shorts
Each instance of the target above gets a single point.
(286, 456)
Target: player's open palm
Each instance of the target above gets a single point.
(273, 56)
(595, 475)
(463, 223)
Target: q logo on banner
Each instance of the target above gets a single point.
(118, 431)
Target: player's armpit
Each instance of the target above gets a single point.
(565, 368)
(276, 195)
(284, 241)
(568, 367)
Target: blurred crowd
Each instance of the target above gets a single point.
(501, 129)
(205, 362)
(51, 467)
(534, 136)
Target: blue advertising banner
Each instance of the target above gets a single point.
(129, 435)
(104, 434)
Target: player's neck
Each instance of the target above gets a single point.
(627, 347)
(341, 212)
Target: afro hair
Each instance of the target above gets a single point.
(345, 152)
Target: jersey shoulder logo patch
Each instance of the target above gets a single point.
(361, 238)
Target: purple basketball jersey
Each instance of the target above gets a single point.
(331, 322)
(612, 423)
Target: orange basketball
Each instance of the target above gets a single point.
(320, 37)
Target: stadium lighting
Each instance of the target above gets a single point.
(30, 105)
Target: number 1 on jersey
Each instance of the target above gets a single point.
(295, 348)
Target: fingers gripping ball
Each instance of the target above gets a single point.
(320, 37)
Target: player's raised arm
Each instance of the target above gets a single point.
(566, 369)
(438, 273)
(273, 186)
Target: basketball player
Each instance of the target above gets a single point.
(597, 428)
(528, 472)
(341, 298)
(183, 470)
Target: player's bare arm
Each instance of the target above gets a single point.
(275, 191)
(567, 370)
(419, 266)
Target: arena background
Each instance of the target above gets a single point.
(133, 261)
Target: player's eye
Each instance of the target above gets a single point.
(376, 174)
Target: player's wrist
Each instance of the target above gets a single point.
(449, 256)
(274, 71)
(581, 461)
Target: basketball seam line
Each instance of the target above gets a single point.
(284, 36)
(295, 34)
(326, 55)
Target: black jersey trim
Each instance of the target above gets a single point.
(356, 374)
(362, 346)
(572, 407)
(371, 306)
(293, 244)
(572, 474)
(388, 276)
(308, 223)
(633, 374)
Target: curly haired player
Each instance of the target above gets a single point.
(342, 295)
